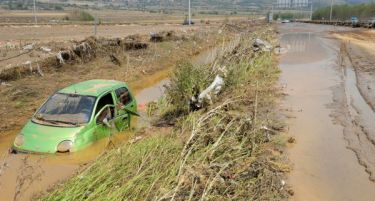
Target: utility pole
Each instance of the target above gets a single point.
(330, 14)
(270, 18)
(311, 10)
(189, 13)
(36, 20)
(96, 18)
(95, 24)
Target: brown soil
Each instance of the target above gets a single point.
(360, 45)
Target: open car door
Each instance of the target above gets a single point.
(124, 104)
(105, 121)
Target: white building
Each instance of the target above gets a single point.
(292, 3)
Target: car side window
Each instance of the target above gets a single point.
(106, 114)
(123, 96)
(103, 101)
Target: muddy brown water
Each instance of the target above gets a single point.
(330, 155)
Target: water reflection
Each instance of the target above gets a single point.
(302, 48)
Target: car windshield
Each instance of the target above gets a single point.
(66, 109)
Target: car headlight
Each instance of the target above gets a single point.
(20, 139)
(65, 146)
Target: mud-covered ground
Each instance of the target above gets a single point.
(360, 46)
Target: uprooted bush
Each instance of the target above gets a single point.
(187, 80)
(81, 52)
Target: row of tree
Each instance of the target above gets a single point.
(345, 12)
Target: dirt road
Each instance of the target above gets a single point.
(330, 119)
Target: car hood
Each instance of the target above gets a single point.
(44, 139)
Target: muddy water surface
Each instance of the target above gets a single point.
(324, 168)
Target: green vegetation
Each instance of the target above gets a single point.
(80, 15)
(137, 171)
(230, 150)
(209, 12)
(18, 5)
(345, 12)
(58, 7)
(28, 5)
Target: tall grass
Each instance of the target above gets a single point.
(140, 171)
(185, 82)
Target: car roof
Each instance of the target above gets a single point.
(93, 87)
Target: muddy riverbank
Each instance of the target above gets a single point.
(360, 49)
(324, 168)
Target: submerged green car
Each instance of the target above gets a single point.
(76, 116)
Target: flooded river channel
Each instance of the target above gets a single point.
(331, 154)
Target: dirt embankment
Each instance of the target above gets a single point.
(360, 45)
(357, 61)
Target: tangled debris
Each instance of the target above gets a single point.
(165, 36)
(82, 51)
(156, 37)
(196, 101)
(261, 45)
(115, 60)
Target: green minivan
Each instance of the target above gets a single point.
(76, 116)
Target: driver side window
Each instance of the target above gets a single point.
(107, 113)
